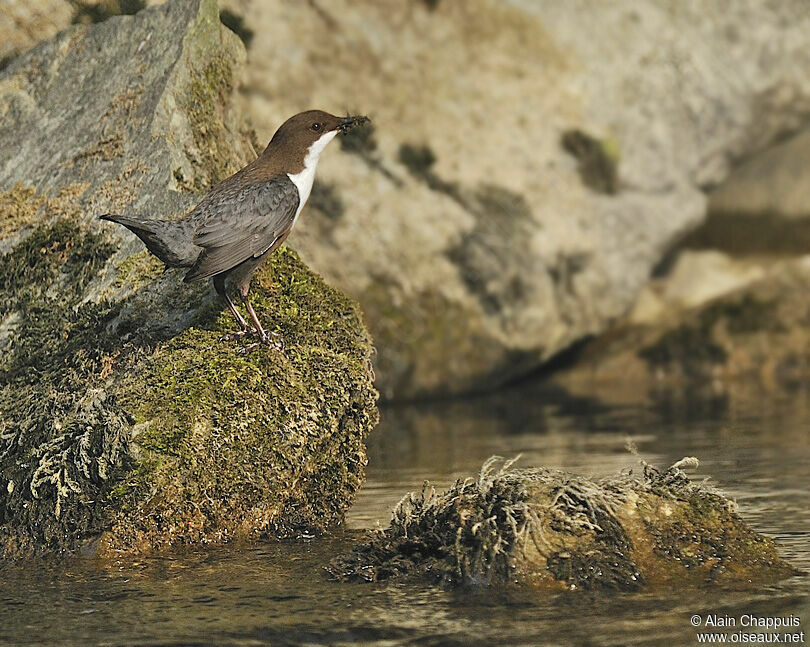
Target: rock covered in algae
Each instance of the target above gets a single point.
(124, 422)
(553, 529)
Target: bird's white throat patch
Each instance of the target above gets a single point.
(303, 180)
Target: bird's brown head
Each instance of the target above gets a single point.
(312, 124)
(305, 135)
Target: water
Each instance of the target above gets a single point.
(755, 447)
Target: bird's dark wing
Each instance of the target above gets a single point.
(241, 223)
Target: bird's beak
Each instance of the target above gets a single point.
(349, 122)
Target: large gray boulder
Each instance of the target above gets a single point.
(531, 161)
(124, 423)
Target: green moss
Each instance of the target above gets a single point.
(270, 442)
(42, 280)
(704, 533)
(22, 207)
(207, 96)
(61, 249)
(138, 269)
(104, 150)
(280, 436)
(52, 400)
(18, 207)
(228, 445)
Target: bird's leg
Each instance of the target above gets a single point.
(271, 339)
(244, 328)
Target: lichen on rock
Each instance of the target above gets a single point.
(555, 530)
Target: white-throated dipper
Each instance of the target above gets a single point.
(246, 217)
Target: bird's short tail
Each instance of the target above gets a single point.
(165, 239)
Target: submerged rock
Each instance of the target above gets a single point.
(553, 529)
(122, 417)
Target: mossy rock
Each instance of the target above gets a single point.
(150, 442)
(553, 530)
(269, 442)
(125, 424)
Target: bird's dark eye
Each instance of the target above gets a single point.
(316, 127)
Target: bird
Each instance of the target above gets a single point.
(246, 217)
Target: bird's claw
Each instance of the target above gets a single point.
(274, 340)
(245, 332)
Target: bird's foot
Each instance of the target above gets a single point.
(245, 332)
(272, 339)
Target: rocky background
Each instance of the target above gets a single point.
(533, 163)
(533, 170)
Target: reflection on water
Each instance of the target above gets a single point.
(756, 449)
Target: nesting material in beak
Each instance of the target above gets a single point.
(348, 122)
